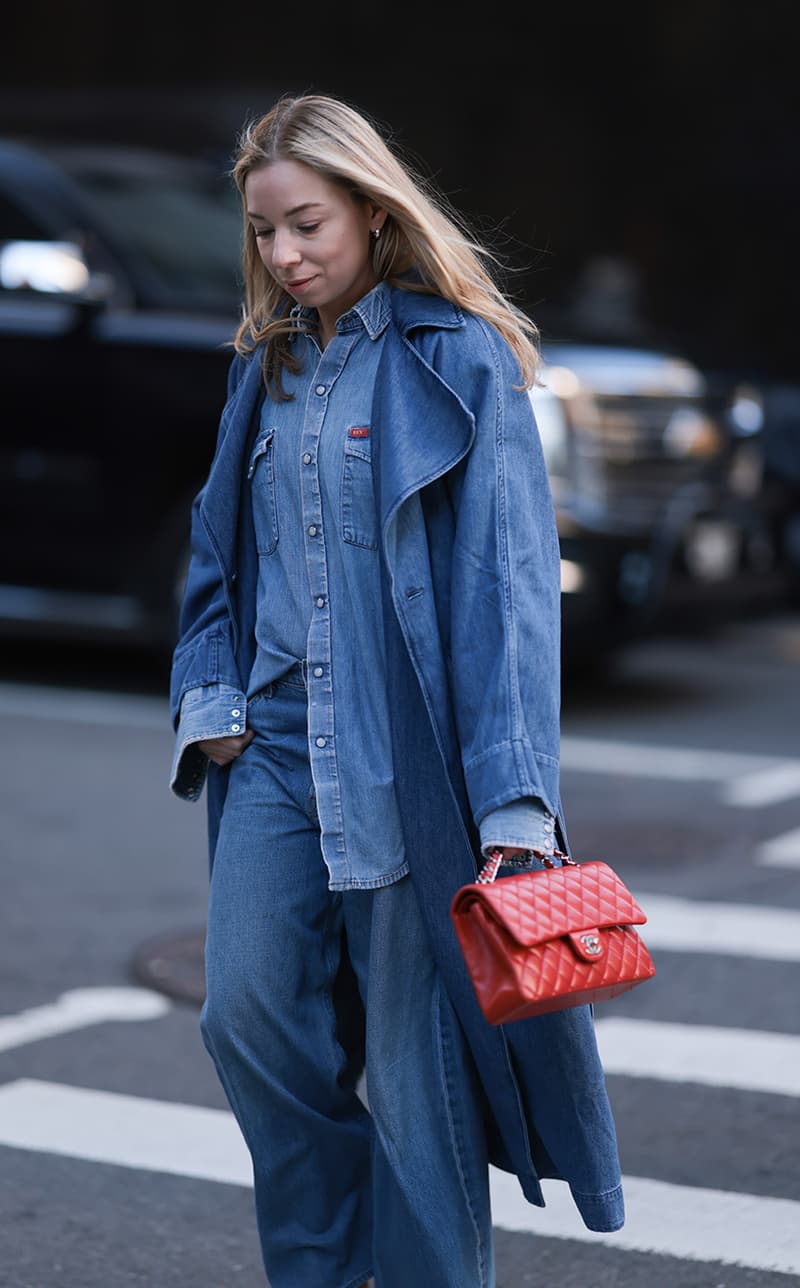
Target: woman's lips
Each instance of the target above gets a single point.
(299, 285)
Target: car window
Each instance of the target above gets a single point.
(182, 225)
(16, 224)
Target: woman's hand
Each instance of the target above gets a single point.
(223, 750)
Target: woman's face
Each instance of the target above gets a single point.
(313, 237)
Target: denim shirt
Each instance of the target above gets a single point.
(315, 530)
(319, 595)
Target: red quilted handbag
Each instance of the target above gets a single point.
(549, 939)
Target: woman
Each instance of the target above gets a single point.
(367, 674)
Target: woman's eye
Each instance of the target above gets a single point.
(263, 232)
(308, 228)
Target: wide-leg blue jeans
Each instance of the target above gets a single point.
(399, 1190)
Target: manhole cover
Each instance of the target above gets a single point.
(173, 964)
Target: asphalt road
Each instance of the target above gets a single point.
(119, 1162)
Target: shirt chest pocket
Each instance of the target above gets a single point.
(261, 473)
(359, 519)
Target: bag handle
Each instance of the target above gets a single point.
(496, 859)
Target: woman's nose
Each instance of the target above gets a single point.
(284, 250)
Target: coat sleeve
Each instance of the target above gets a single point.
(211, 711)
(204, 654)
(505, 598)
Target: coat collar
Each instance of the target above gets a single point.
(412, 309)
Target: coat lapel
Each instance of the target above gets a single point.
(424, 428)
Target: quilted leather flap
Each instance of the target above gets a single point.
(536, 906)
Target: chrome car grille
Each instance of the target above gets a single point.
(626, 468)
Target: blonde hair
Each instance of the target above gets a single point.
(421, 230)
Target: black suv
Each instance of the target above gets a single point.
(118, 296)
(657, 477)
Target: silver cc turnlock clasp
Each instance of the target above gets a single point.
(592, 944)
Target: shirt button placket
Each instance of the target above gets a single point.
(316, 558)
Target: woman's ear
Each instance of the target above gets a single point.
(378, 217)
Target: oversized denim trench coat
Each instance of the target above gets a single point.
(471, 614)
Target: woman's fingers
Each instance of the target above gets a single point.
(223, 750)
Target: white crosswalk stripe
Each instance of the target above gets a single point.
(766, 787)
(756, 1232)
(745, 1059)
(704, 926)
(781, 851)
(78, 1008)
(130, 1131)
(745, 781)
(683, 1221)
(182, 1140)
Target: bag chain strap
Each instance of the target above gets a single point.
(496, 859)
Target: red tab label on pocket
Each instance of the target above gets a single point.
(359, 431)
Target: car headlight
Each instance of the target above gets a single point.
(690, 432)
(746, 411)
(43, 266)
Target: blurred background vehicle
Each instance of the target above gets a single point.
(670, 503)
(119, 291)
(781, 434)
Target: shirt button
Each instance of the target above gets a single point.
(312, 531)
(235, 728)
(318, 671)
(320, 742)
(320, 601)
(320, 389)
(307, 458)
(236, 712)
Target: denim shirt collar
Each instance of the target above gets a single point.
(373, 311)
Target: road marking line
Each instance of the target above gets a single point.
(765, 787)
(733, 929)
(642, 760)
(128, 1131)
(205, 1144)
(78, 1008)
(781, 851)
(715, 1057)
(748, 782)
(681, 1221)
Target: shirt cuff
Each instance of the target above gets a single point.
(526, 823)
(209, 711)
